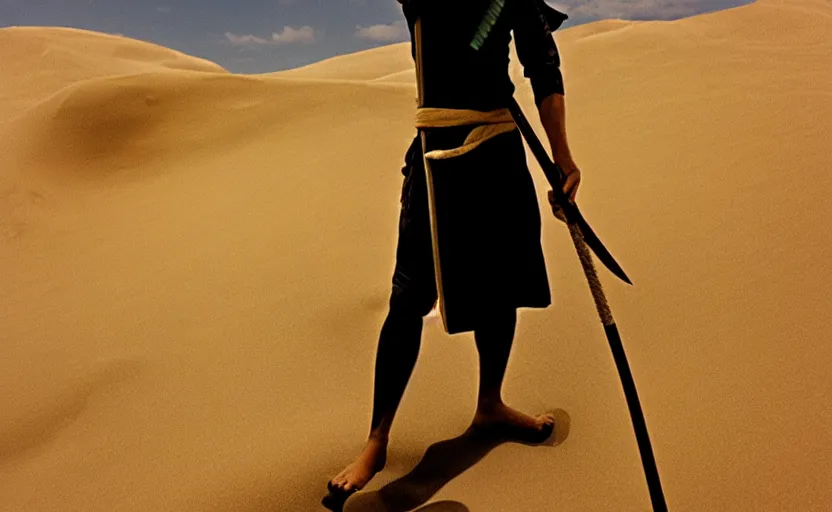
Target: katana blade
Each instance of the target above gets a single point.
(604, 256)
(555, 176)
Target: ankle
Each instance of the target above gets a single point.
(489, 404)
(377, 437)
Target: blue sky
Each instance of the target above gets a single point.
(255, 36)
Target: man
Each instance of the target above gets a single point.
(492, 259)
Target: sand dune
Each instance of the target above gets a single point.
(364, 65)
(195, 266)
(64, 56)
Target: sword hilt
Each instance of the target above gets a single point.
(591, 274)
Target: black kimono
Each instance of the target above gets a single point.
(490, 250)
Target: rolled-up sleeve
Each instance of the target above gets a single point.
(536, 49)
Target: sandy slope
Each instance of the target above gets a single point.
(195, 266)
(366, 65)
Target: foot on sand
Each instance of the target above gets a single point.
(510, 424)
(356, 475)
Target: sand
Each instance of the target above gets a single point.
(194, 267)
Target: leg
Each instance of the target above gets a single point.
(413, 295)
(494, 339)
(398, 350)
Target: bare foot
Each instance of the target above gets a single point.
(503, 421)
(356, 475)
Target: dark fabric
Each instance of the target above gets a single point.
(459, 76)
(489, 231)
(536, 47)
(487, 211)
(414, 282)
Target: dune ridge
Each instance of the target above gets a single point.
(363, 65)
(194, 266)
(68, 55)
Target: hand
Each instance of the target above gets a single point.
(572, 181)
(556, 209)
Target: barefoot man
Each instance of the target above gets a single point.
(491, 257)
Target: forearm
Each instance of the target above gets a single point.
(552, 112)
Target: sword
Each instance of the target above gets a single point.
(555, 176)
(584, 238)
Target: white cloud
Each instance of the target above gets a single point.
(289, 35)
(304, 35)
(396, 31)
(163, 8)
(246, 40)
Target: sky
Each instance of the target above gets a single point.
(260, 36)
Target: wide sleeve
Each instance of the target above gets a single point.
(533, 24)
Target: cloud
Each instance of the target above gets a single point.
(289, 35)
(304, 35)
(163, 8)
(246, 40)
(396, 31)
(579, 10)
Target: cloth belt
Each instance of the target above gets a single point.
(488, 125)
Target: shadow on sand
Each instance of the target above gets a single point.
(442, 462)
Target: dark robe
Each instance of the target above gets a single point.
(489, 224)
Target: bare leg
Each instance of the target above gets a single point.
(494, 340)
(398, 349)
